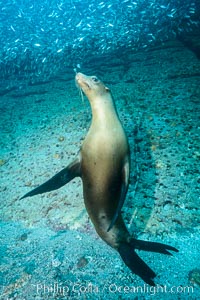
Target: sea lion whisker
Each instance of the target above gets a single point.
(80, 91)
(82, 95)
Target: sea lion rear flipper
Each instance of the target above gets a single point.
(152, 246)
(124, 188)
(136, 264)
(57, 181)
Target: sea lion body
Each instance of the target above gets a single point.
(103, 164)
(105, 153)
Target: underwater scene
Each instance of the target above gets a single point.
(100, 149)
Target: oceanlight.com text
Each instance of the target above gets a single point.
(152, 290)
(78, 288)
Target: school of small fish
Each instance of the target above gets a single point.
(41, 37)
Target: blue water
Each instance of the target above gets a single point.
(39, 38)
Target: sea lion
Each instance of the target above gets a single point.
(103, 164)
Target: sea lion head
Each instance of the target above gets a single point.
(91, 86)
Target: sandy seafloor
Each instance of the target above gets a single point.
(49, 248)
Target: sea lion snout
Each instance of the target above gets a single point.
(83, 81)
(79, 76)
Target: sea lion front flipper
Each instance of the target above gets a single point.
(124, 188)
(57, 181)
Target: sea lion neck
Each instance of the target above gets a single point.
(103, 109)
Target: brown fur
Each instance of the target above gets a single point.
(104, 153)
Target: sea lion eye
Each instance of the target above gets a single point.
(95, 79)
